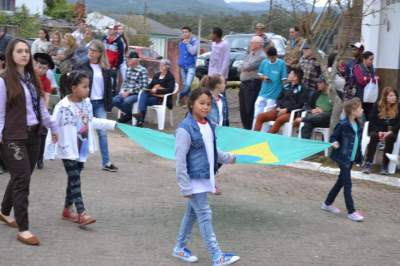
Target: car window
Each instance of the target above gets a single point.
(146, 52)
(238, 42)
(279, 45)
(154, 54)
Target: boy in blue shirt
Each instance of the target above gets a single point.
(273, 73)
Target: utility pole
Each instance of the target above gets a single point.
(199, 36)
(270, 16)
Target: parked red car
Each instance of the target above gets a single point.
(149, 58)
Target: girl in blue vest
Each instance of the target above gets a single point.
(346, 143)
(197, 160)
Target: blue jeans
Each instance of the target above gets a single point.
(125, 103)
(199, 209)
(146, 99)
(344, 180)
(100, 112)
(187, 76)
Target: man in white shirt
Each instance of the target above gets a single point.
(220, 55)
(79, 34)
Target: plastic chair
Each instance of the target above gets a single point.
(160, 109)
(396, 148)
(318, 130)
(287, 128)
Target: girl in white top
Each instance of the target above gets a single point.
(41, 44)
(74, 117)
(196, 160)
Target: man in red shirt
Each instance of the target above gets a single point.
(42, 64)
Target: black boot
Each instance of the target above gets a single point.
(40, 164)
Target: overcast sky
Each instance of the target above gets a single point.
(319, 3)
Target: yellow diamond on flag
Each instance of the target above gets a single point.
(260, 150)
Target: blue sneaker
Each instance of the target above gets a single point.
(226, 259)
(184, 254)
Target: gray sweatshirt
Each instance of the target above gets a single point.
(183, 143)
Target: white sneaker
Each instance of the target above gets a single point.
(330, 208)
(355, 216)
(184, 254)
(394, 158)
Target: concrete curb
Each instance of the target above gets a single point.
(387, 180)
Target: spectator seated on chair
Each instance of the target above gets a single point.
(161, 84)
(319, 110)
(383, 127)
(136, 80)
(293, 96)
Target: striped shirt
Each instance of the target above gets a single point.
(136, 79)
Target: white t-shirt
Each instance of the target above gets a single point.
(220, 111)
(79, 36)
(97, 92)
(206, 185)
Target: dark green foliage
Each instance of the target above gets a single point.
(59, 9)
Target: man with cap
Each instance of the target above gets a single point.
(293, 49)
(115, 50)
(357, 49)
(162, 83)
(42, 63)
(310, 67)
(136, 79)
(319, 109)
(250, 84)
(260, 31)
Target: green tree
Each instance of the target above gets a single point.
(59, 9)
(27, 25)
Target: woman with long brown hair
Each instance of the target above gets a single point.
(22, 116)
(383, 127)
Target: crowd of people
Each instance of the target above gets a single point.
(94, 75)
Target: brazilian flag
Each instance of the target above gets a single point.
(250, 147)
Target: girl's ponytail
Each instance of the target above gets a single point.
(211, 82)
(70, 79)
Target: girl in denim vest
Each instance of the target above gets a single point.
(346, 142)
(197, 160)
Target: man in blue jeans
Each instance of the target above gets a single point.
(136, 80)
(188, 47)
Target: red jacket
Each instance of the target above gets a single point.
(114, 50)
(46, 84)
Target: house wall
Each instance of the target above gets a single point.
(381, 35)
(34, 6)
(159, 45)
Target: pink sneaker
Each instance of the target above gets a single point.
(355, 216)
(330, 208)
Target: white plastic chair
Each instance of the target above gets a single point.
(317, 130)
(396, 148)
(287, 128)
(160, 109)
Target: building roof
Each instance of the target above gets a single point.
(155, 27)
(101, 21)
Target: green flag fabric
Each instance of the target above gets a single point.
(250, 147)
